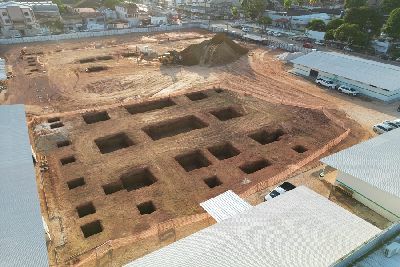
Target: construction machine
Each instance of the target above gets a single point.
(170, 57)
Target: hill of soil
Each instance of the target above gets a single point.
(219, 50)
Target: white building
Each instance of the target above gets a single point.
(298, 228)
(371, 78)
(370, 170)
(17, 19)
(158, 20)
(133, 13)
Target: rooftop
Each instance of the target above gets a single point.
(299, 228)
(22, 238)
(374, 161)
(370, 72)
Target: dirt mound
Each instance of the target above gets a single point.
(219, 50)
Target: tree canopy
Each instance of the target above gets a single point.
(368, 19)
(389, 5)
(111, 3)
(60, 5)
(351, 34)
(392, 27)
(235, 11)
(334, 24)
(254, 8)
(317, 25)
(354, 3)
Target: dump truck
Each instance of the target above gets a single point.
(170, 57)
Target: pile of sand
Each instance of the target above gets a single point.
(219, 50)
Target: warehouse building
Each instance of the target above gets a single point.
(370, 171)
(22, 236)
(298, 228)
(370, 78)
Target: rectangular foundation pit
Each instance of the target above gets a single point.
(254, 166)
(146, 208)
(138, 178)
(196, 96)
(150, 106)
(226, 114)
(174, 127)
(113, 143)
(90, 118)
(212, 182)
(192, 161)
(224, 151)
(92, 228)
(85, 209)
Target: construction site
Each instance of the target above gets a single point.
(132, 133)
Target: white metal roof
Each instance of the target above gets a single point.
(370, 72)
(225, 205)
(298, 228)
(22, 239)
(375, 161)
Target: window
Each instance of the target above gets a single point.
(4, 14)
(26, 14)
(28, 20)
(7, 21)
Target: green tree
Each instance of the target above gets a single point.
(287, 3)
(264, 21)
(61, 6)
(392, 27)
(354, 3)
(254, 8)
(111, 3)
(351, 34)
(235, 12)
(317, 25)
(368, 19)
(330, 35)
(334, 24)
(389, 5)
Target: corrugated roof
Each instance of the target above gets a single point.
(225, 205)
(298, 228)
(375, 161)
(22, 239)
(370, 72)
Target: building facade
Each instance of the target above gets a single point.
(17, 19)
(133, 13)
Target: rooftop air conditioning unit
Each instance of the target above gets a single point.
(392, 249)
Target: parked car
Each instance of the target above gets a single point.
(319, 43)
(277, 34)
(348, 49)
(246, 29)
(325, 82)
(348, 90)
(381, 128)
(283, 188)
(308, 45)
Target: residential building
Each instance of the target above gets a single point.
(108, 13)
(210, 9)
(370, 78)
(92, 19)
(72, 22)
(22, 236)
(44, 10)
(17, 19)
(133, 13)
(158, 20)
(298, 228)
(370, 172)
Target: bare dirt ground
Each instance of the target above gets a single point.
(52, 81)
(104, 165)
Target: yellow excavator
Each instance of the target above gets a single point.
(170, 58)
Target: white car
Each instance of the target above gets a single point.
(319, 43)
(348, 90)
(397, 122)
(283, 188)
(381, 128)
(277, 34)
(391, 124)
(246, 29)
(325, 82)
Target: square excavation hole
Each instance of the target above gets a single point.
(150, 106)
(254, 166)
(76, 183)
(96, 117)
(138, 178)
(91, 228)
(112, 188)
(219, 90)
(146, 208)
(263, 137)
(56, 125)
(224, 151)
(112, 143)
(192, 161)
(196, 96)
(174, 127)
(299, 149)
(55, 119)
(226, 114)
(63, 143)
(85, 209)
(68, 160)
(212, 182)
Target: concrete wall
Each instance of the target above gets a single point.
(378, 200)
(363, 88)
